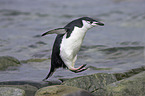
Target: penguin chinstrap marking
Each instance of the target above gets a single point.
(68, 42)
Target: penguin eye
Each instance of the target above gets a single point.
(91, 22)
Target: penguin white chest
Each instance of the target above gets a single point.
(70, 46)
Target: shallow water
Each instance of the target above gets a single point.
(118, 45)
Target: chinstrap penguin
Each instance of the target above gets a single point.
(68, 42)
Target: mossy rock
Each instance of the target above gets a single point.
(133, 86)
(92, 82)
(129, 73)
(7, 61)
(61, 90)
(9, 91)
(29, 90)
(30, 87)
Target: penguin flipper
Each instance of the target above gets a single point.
(55, 31)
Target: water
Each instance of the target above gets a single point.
(119, 45)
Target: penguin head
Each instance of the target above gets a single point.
(85, 22)
(89, 22)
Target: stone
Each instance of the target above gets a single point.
(129, 73)
(7, 61)
(61, 90)
(29, 90)
(9, 91)
(132, 86)
(30, 87)
(92, 82)
(37, 84)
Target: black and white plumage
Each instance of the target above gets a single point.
(68, 43)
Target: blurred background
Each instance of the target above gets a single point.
(116, 47)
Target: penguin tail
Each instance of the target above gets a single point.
(52, 70)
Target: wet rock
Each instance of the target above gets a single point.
(38, 84)
(9, 91)
(30, 87)
(6, 61)
(129, 73)
(61, 90)
(92, 82)
(29, 90)
(133, 86)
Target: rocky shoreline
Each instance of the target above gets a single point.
(129, 83)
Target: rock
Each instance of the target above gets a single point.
(132, 86)
(129, 73)
(9, 91)
(38, 84)
(118, 84)
(29, 90)
(61, 90)
(92, 82)
(30, 87)
(6, 61)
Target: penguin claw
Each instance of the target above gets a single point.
(77, 71)
(80, 69)
(82, 66)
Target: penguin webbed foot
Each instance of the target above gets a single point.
(79, 69)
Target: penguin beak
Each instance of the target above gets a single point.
(99, 23)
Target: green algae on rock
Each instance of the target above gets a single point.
(132, 86)
(61, 90)
(91, 82)
(29, 90)
(7, 61)
(9, 91)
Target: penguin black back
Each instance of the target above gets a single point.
(56, 61)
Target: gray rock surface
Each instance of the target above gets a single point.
(9, 91)
(92, 82)
(29, 90)
(131, 83)
(37, 84)
(30, 87)
(133, 86)
(6, 61)
(61, 90)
